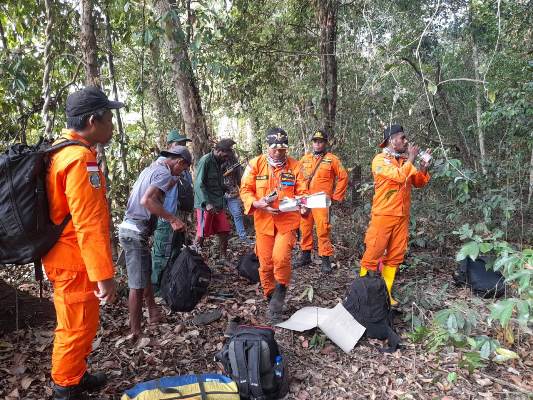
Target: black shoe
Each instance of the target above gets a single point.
(93, 382)
(326, 265)
(304, 260)
(275, 305)
(89, 383)
(69, 393)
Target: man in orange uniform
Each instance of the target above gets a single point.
(394, 175)
(79, 265)
(324, 173)
(267, 180)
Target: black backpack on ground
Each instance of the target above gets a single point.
(26, 232)
(185, 281)
(249, 267)
(368, 302)
(250, 358)
(474, 274)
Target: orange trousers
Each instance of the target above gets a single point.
(386, 238)
(320, 218)
(274, 254)
(77, 311)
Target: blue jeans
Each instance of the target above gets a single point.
(235, 209)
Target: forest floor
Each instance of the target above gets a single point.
(179, 347)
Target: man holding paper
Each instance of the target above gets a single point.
(323, 172)
(267, 180)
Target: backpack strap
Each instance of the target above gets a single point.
(310, 177)
(66, 143)
(242, 368)
(254, 372)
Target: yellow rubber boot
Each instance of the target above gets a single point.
(363, 271)
(388, 274)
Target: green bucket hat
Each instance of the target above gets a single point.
(175, 136)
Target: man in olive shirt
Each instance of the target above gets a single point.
(209, 198)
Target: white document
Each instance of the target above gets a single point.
(342, 328)
(337, 323)
(305, 319)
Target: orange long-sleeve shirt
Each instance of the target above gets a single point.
(330, 177)
(75, 185)
(393, 179)
(260, 179)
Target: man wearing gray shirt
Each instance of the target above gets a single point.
(145, 204)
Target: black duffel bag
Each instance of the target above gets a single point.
(474, 274)
(249, 267)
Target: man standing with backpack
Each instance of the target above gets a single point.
(80, 264)
(267, 180)
(166, 244)
(324, 173)
(388, 232)
(145, 205)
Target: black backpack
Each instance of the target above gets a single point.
(26, 232)
(368, 302)
(185, 281)
(251, 357)
(185, 195)
(249, 267)
(474, 274)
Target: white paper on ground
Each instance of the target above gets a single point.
(342, 328)
(337, 323)
(305, 319)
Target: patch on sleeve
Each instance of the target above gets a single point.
(92, 166)
(94, 180)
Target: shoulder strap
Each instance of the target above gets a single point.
(254, 369)
(310, 178)
(242, 368)
(66, 143)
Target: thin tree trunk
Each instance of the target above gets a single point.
(184, 79)
(530, 193)
(92, 78)
(3, 37)
(327, 21)
(110, 61)
(47, 120)
(480, 134)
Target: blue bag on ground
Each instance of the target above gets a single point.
(190, 387)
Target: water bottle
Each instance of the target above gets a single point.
(278, 367)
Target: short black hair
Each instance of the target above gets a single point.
(79, 122)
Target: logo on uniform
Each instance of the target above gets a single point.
(94, 174)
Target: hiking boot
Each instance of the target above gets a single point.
(276, 303)
(89, 383)
(304, 260)
(326, 265)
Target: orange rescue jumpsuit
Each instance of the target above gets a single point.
(388, 231)
(80, 258)
(275, 234)
(329, 170)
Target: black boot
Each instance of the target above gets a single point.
(326, 265)
(89, 383)
(304, 260)
(275, 305)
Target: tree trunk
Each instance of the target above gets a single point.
(3, 37)
(184, 80)
(327, 22)
(110, 61)
(530, 193)
(480, 134)
(92, 78)
(47, 120)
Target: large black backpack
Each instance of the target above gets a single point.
(251, 357)
(369, 303)
(185, 281)
(248, 267)
(474, 274)
(26, 231)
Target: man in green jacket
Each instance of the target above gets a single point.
(167, 245)
(209, 198)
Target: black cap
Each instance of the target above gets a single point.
(388, 132)
(320, 135)
(87, 100)
(225, 144)
(277, 138)
(177, 151)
